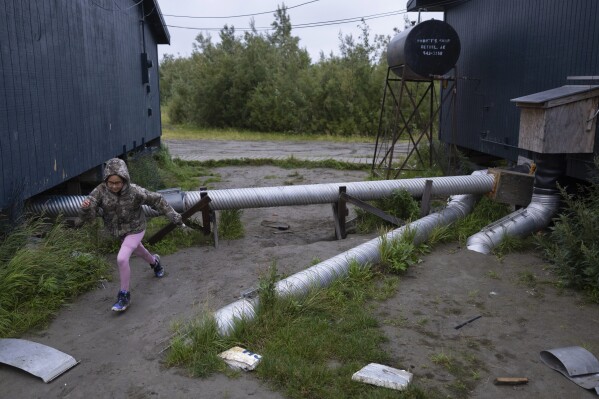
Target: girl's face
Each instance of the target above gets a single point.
(114, 183)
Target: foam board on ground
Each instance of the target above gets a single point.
(383, 376)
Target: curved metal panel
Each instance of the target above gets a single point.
(40, 360)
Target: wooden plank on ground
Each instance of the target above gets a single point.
(511, 381)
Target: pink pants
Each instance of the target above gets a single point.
(131, 245)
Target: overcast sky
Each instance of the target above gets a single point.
(381, 16)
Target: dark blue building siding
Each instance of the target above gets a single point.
(71, 91)
(512, 48)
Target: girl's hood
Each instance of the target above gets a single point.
(116, 166)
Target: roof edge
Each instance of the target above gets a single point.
(155, 20)
(432, 5)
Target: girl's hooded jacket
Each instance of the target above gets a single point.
(122, 212)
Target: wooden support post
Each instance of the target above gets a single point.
(215, 227)
(203, 203)
(334, 205)
(340, 211)
(425, 203)
(205, 212)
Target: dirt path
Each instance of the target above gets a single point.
(121, 355)
(205, 150)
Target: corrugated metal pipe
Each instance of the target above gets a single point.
(259, 197)
(536, 216)
(325, 272)
(322, 274)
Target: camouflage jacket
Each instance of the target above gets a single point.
(122, 212)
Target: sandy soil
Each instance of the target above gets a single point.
(121, 355)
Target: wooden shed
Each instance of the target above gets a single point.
(78, 85)
(559, 121)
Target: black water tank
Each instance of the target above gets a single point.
(429, 48)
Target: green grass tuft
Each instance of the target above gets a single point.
(42, 266)
(230, 226)
(399, 253)
(485, 212)
(511, 244)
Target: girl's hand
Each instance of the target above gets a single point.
(86, 203)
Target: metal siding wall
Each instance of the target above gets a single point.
(14, 130)
(40, 115)
(153, 124)
(512, 48)
(6, 155)
(98, 45)
(71, 90)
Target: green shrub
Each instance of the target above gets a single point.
(572, 245)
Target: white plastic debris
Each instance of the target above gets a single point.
(240, 358)
(383, 376)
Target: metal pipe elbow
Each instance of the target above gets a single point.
(523, 222)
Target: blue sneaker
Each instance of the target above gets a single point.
(122, 302)
(157, 267)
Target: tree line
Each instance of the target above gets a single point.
(266, 82)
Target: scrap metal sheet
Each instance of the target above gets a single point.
(40, 360)
(576, 364)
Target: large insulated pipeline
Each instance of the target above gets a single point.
(536, 216)
(258, 197)
(322, 274)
